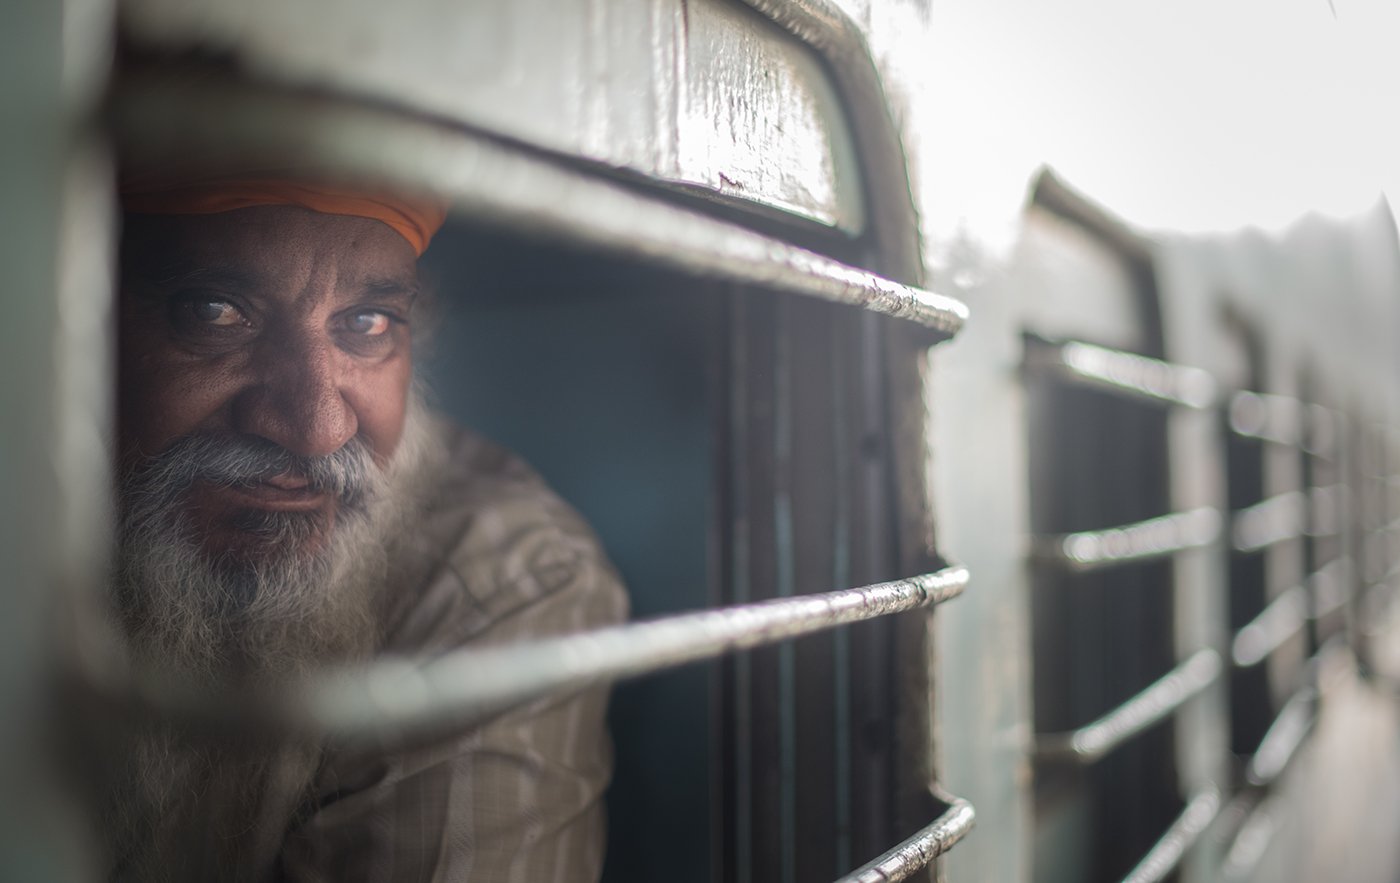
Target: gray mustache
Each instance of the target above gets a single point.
(348, 474)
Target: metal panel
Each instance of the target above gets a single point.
(706, 92)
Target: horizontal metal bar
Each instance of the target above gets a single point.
(1329, 586)
(1090, 743)
(1270, 417)
(1145, 539)
(1136, 375)
(471, 684)
(1286, 421)
(1284, 617)
(916, 852)
(1323, 592)
(1250, 843)
(1283, 737)
(1316, 512)
(1167, 853)
(163, 123)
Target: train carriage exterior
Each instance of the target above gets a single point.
(1096, 548)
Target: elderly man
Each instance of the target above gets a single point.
(287, 502)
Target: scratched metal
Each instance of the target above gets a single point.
(1089, 744)
(701, 92)
(1138, 375)
(472, 683)
(1167, 853)
(903, 860)
(1132, 542)
(162, 123)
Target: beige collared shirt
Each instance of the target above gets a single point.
(518, 800)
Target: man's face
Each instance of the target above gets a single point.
(269, 323)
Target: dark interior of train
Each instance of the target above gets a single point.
(676, 415)
(595, 371)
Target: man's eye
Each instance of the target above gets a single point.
(215, 312)
(369, 323)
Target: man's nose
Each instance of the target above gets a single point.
(296, 399)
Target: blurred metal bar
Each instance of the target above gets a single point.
(1278, 622)
(1270, 417)
(1286, 421)
(916, 852)
(161, 122)
(1283, 738)
(1272, 521)
(1329, 586)
(1167, 853)
(471, 684)
(1131, 542)
(1136, 375)
(1250, 843)
(1316, 513)
(1088, 744)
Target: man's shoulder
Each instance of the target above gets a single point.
(496, 544)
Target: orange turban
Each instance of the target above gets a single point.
(416, 218)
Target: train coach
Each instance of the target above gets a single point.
(1054, 568)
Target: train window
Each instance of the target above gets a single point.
(682, 354)
(680, 273)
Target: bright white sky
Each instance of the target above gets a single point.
(1193, 115)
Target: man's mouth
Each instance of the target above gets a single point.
(282, 493)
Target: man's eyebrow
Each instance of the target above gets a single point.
(224, 277)
(390, 288)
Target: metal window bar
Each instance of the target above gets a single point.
(916, 852)
(1163, 857)
(158, 122)
(1250, 843)
(1323, 592)
(472, 684)
(1316, 513)
(1134, 375)
(1091, 743)
(1283, 738)
(1153, 538)
(1286, 421)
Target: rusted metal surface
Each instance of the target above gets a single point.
(891, 216)
(915, 853)
(1131, 542)
(1168, 851)
(1137, 375)
(1089, 744)
(164, 122)
(473, 683)
(704, 93)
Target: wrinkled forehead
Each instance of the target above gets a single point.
(266, 243)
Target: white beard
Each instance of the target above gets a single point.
(187, 616)
(177, 807)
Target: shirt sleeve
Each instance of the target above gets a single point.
(516, 800)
